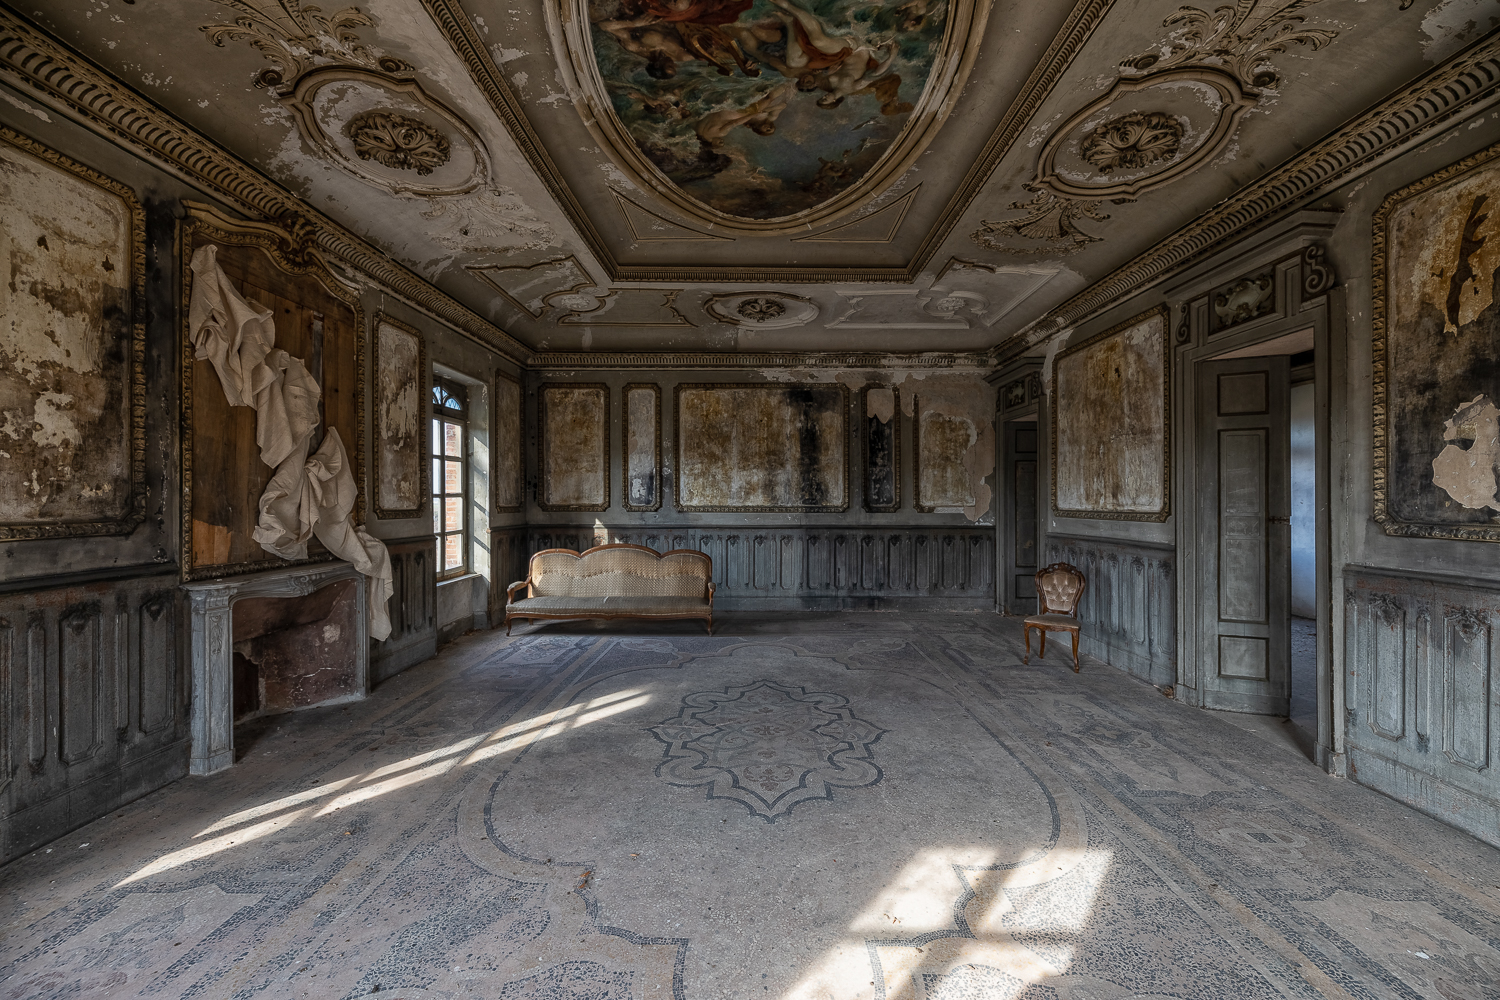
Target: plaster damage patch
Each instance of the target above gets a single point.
(955, 442)
(1467, 468)
(64, 345)
(1455, 23)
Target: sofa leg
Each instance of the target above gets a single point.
(710, 624)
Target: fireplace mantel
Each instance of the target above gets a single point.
(210, 603)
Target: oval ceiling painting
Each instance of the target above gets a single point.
(770, 115)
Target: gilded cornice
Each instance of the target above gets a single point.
(66, 79)
(1450, 91)
(974, 362)
(455, 25)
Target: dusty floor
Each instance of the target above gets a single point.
(876, 805)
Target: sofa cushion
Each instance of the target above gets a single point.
(609, 606)
(619, 572)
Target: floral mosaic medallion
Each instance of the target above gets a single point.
(767, 746)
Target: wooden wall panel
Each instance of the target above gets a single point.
(1128, 607)
(100, 707)
(318, 321)
(1419, 694)
(803, 567)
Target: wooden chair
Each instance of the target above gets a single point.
(1059, 591)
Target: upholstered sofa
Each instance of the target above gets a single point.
(614, 581)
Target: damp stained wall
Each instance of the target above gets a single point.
(400, 393)
(65, 352)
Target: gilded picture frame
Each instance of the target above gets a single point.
(544, 414)
(628, 429)
(377, 453)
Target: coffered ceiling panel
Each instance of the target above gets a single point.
(913, 175)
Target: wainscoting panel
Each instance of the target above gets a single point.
(96, 704)
(815, 567)
(412, 608)
(1128, 609)
(1420, 694)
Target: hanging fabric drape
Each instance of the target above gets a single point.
(309, 496)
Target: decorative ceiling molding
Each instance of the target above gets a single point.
(388, 132)
(534, 288)
(648, 227)
(761, 310)
(68, 81)
(471, 49)
(1452, 91)
(625, 307)
(1134, 164)
(954, 361)
(880, 226)
(1168, 113)
(296, 36)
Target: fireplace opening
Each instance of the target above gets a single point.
(296, 652)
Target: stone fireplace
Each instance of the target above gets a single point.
(270, 642)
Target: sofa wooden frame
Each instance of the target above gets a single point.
(510, 592)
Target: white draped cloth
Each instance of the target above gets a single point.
(309, 495)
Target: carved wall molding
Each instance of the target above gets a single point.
(135, 360)
(648, 227)
(1049, 218)
(1244, 300)
(71, 83)
(880, 226)
(1451, 91)
(536, 288)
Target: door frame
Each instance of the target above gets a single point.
(1028, 375)
(1303, 298)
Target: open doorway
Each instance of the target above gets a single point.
(1020, 532)
(1304, 546)
(1257, 517)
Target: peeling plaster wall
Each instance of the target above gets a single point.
(796, 559)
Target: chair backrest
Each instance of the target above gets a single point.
(620, 570)
(1059, 589)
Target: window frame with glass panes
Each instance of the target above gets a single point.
(450, 467)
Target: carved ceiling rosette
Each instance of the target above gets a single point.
(387, 131)
(761, 310)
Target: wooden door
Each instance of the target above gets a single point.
(1244, 526)
(1021, 529)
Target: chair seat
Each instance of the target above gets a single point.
(1053, 621)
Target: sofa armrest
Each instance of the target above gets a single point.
(710, 592)
(510, 592)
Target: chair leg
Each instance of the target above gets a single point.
(1075, 652)
(1042, 648)
(507, 624)
(1026, 630)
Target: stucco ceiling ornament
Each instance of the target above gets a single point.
(761, 310)
(297, 36)
(387, 131)
(1169, 112)
(1132, 141)
(1050, 220)
(397, 141)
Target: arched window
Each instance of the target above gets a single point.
(450, 476)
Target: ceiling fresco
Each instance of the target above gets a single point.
(767, 175)
(768, 116)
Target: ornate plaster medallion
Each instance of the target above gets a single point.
(1132, 141)
(759, 310)
(397, 141)
(387, 131)
(763, 310)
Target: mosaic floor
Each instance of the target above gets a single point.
(832, 806)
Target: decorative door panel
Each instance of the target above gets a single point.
(1244, 534)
